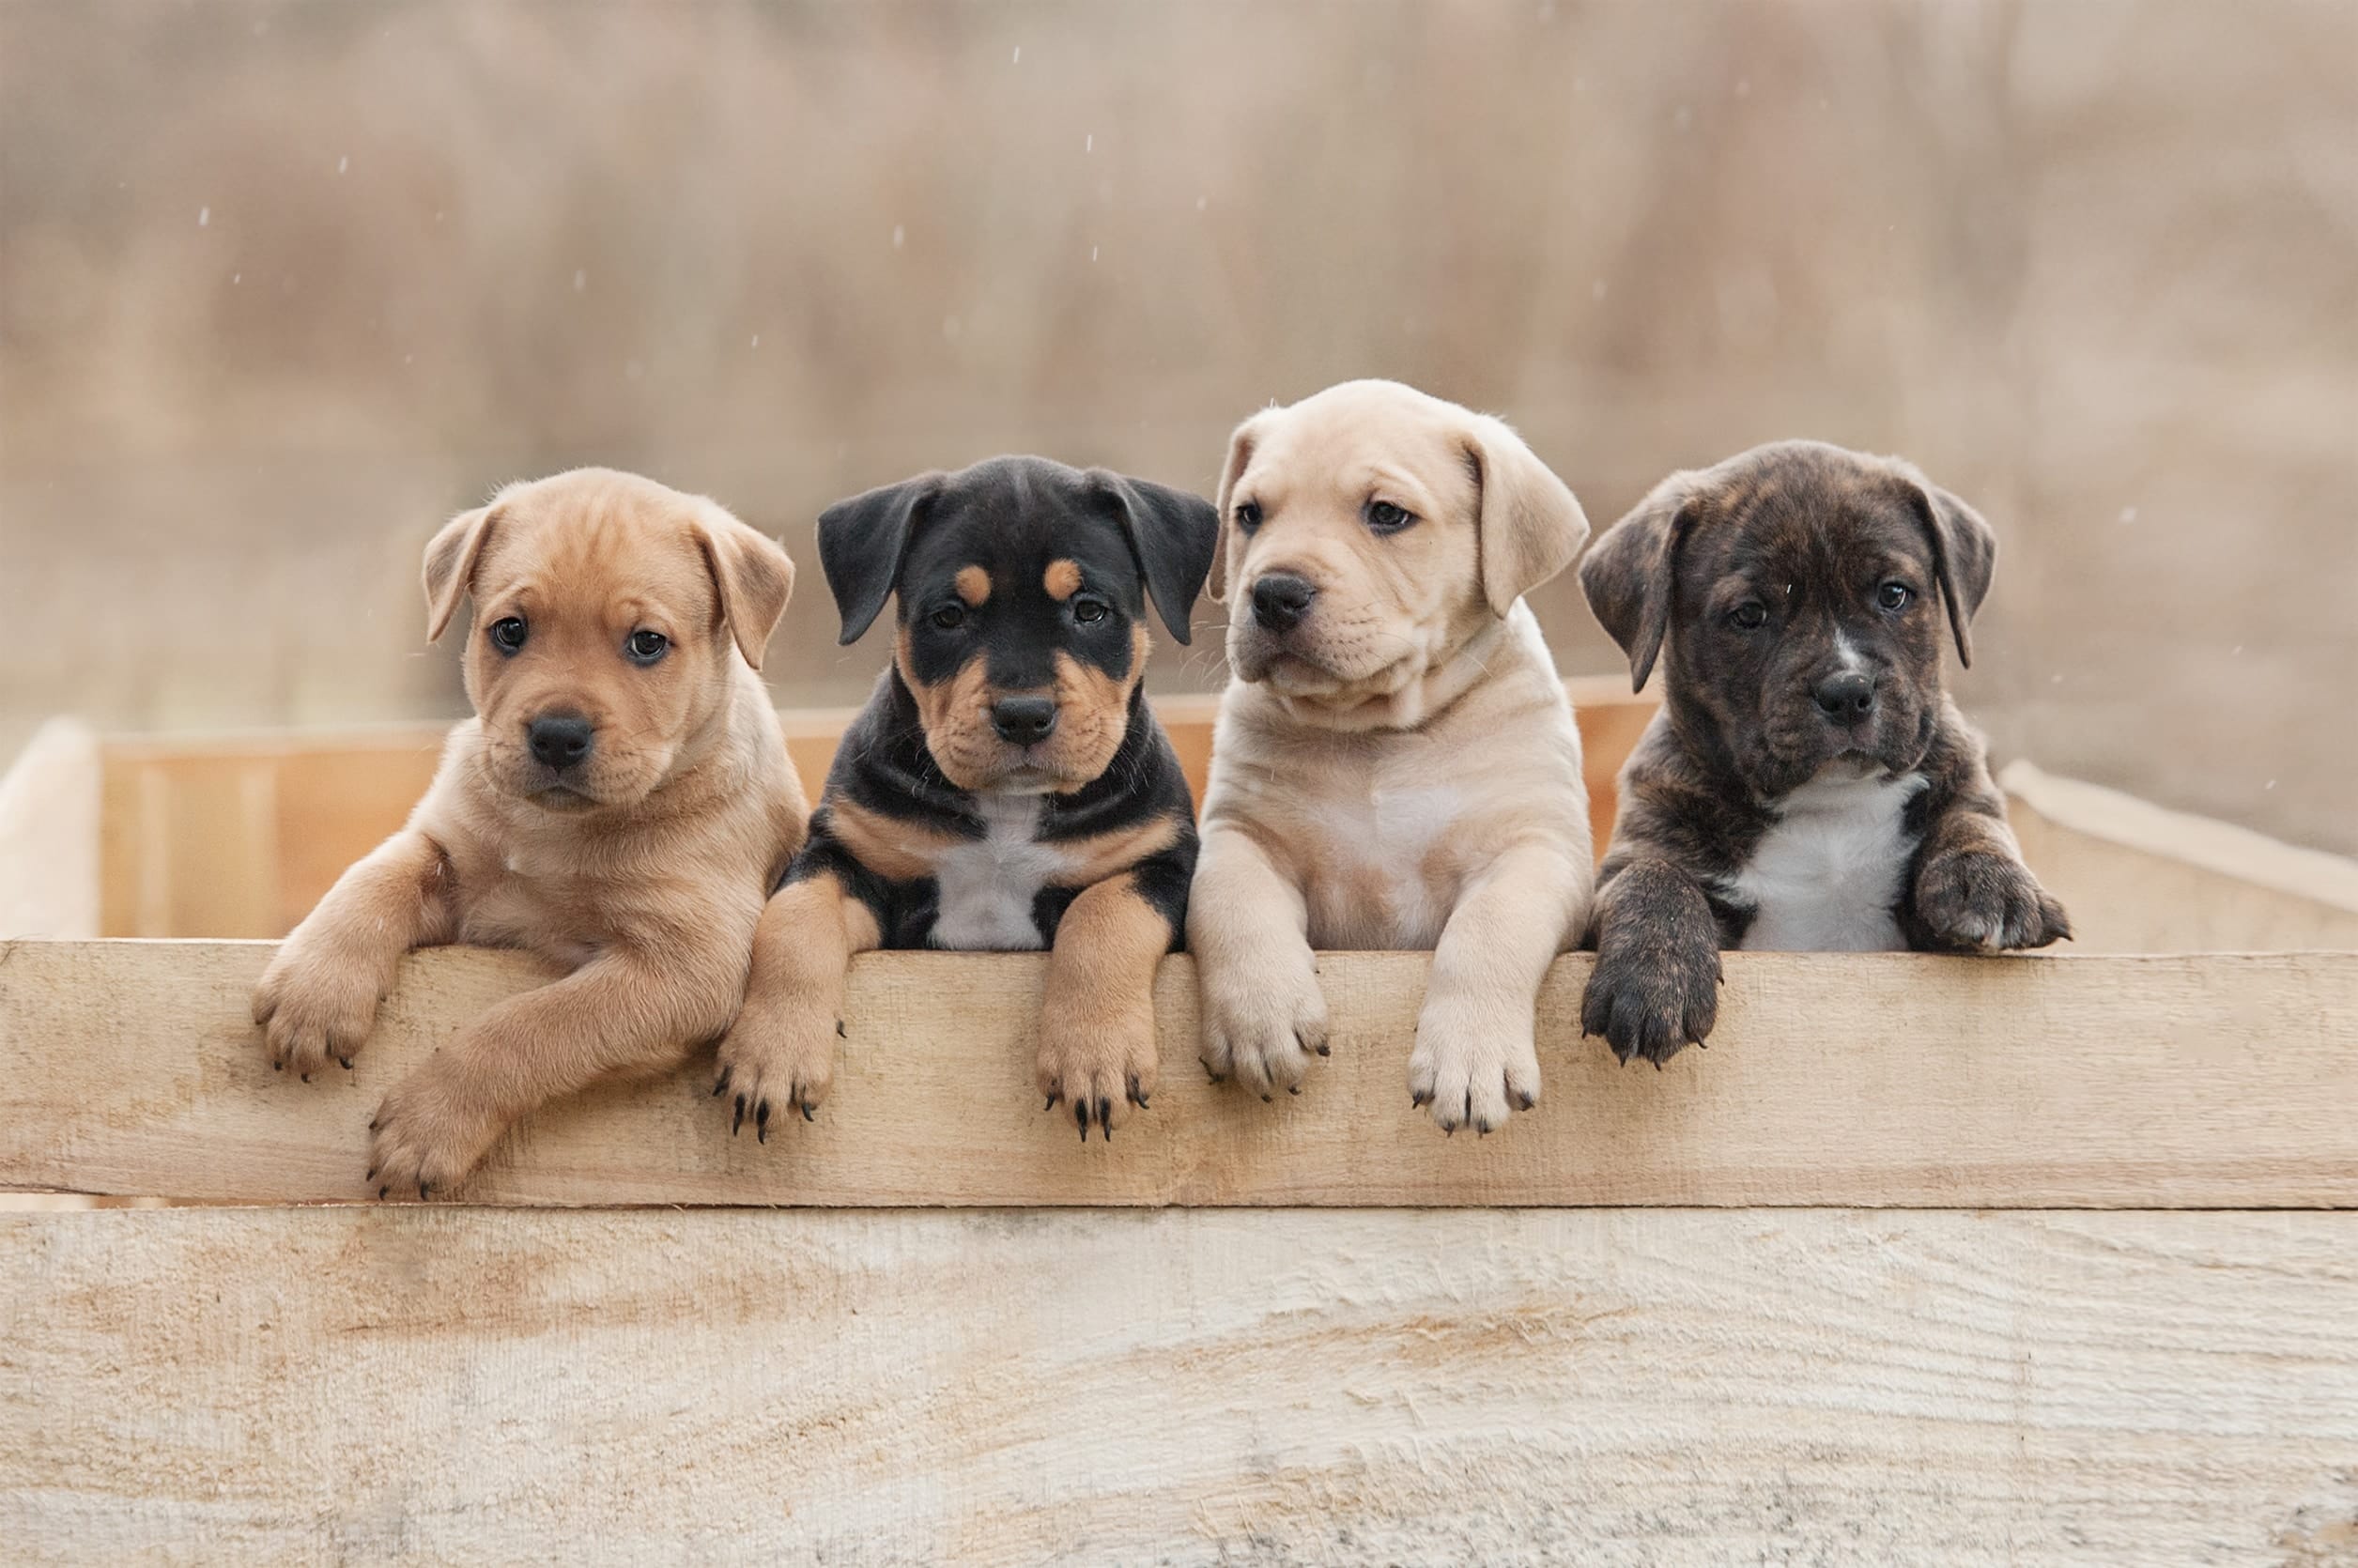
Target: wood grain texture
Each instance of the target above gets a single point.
(239, 834)
(1884, 1080)
(49, 834)
(1505, 1388)
(2138, 878)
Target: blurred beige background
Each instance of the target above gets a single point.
(282, 286)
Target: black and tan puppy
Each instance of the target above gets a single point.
(1006, 787)
(1807, 784)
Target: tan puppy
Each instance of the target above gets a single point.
(620, 806)
(1396, 765)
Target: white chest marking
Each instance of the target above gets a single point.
(987, 886)
(1371, 890)
(1824, 878)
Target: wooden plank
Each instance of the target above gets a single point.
(239, 834)
(2140, 878)
(1182, 1388)
(1888, 1079)
(49, 834)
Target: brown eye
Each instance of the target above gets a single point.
(508, 633)
(1894, 595)
(1248, 515)
(1750, 616)
(949, 617)
(644, 647)
(1089, 610)
(1384, 517)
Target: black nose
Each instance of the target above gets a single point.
(1846, 698)
(561, 741)
(1023, 720)
(1280, 600)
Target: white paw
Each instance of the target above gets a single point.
(1472, 1065)
(1263, 1020)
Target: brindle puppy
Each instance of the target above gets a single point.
(1006, 786)
(1807, 784)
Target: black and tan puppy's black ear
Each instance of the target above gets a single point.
(450, 566)
(862, 542)
(1628, 577)
(1530, 525)
(753, 574)
(1965, 553)
(1241, 444)
(1172, 534)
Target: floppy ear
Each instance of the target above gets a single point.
(754, 576)
(450, 566)
(1530, 527)
(1628, 577)
(1173, 533)
(1964, 553)
(1240, 445)
(861, 544)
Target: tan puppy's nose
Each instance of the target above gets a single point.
(559, 741)
(1281, 600)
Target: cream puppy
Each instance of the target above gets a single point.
(1395, 764)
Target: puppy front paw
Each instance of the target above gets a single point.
(1102, 1065)
(1980, 902)
(432, 1129)
(1650, 1003)
(1263, 1022)
(1472, 1065)
(779, 1057)
(313, 1009)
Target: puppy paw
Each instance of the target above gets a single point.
(1101, 1066)
(1263, 1023)
(1473, 1067)
(431, 1130)
(1650, 1003)
(1978, 901)
(776, 1059)
(313, 1010)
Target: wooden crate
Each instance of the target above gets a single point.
(2049, 1259)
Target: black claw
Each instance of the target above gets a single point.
(1450, 1130)
(383, 1192)
(740, 1117)
(1136, 1098)
(277, 1066)
(838, 1030)
(1051, 1102)
(306, 1078)
(422, 1189)
(1482, 1128)
(372, 1123)
(1266, 1098)
(1325, 1049)
(1527, 1100)
(1217, 1077)
(1105, 1116)
(1417, 1102)
(370, 1174)
(762, 1121)
(1081, 1116)
(722, 1086)
(345, 1062)
(1293, 1088)
(806, 1112)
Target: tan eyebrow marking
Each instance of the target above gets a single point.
(1063, 579)
(974, 585)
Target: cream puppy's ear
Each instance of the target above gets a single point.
(1530, 525)
(754, 576)
(450, 566)
(1241, 446)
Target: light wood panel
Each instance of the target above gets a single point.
(1888, 1079)
(49, 834)
(1182, 1388)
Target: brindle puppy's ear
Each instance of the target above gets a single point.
(1530, 526)
(450, 566)
(1241, 444)
(1965, 553)
(862, 542)
(1172, 533)
(754, 576)
(1628, 577)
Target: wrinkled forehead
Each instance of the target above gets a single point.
(567, 550)
(1413, 459)
(1015, 532)
(1807, 523)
